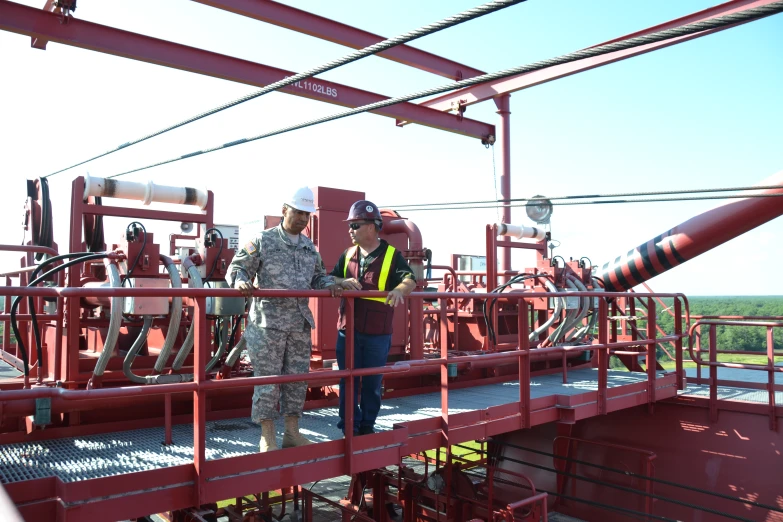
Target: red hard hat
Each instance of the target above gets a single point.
(364, 210)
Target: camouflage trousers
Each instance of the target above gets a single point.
(277, 352)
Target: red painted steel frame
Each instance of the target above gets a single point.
(311, 24)
(489, 90)
(37, 23)
(694, 333)
(207, 481)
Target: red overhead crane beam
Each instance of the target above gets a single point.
(486, 91)
(40, 24)
(332, 31)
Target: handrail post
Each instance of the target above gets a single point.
(349, 386)
(697, 335)
(444, 381)
(678, 343)
(652, 352)
(713, 373)
(524, 363)
(200, 344)
(603, 354)
(773, 421)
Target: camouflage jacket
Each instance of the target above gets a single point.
(272, 261)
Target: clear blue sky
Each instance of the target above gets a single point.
(705, 113)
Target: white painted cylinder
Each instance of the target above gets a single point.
(521, 231)
(144, 192)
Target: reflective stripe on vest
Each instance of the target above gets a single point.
(384, 275)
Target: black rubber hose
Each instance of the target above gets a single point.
(15, 305)
(220, 251)
(138, 256)
(31, 302)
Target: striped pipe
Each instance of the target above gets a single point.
(693, 237)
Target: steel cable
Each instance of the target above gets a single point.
(589, 196)
(446, 23)
(602, 202)
(705, 25)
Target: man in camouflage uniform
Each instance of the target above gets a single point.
(278, 330)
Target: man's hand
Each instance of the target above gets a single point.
(395, 297)
(344, 284)
(246, 288)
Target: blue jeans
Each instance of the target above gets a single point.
(370, 351)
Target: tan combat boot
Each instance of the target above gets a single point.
(292, 437)
(268, 442)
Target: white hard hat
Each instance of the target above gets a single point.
(303, 199)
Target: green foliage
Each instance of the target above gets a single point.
(736, 338)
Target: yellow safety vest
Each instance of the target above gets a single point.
(384, 275)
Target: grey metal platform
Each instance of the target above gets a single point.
(81, 458)
(7, 371)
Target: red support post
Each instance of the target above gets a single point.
(504, 139)
(652, 352)
(524, 362)
(167, 419)
(444, 382)
(678, 342)
(200, 349)
(603, 355)
(773, 420)
(349, 386)
(713, 374)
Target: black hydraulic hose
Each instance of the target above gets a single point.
(220, 251)
(138, 256)
(643, 477)
(31, 305)
(451, 21)
(627, 490)
(31, 302)
(235, 329)
(15, 305)
(45, 230)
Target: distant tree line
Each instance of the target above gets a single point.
(738, 338)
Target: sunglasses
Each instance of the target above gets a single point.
(357, 226)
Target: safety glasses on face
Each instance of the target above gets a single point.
(357, 226)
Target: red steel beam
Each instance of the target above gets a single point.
(486, 91)
(40, 43)
(332, 31)
(39, 24)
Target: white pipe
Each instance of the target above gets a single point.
(115, 320)
(176, 315)
(521, 231)
(144, 192)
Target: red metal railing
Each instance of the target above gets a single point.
(207, 473)
(695, 350)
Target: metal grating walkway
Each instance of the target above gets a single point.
(81, 458)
